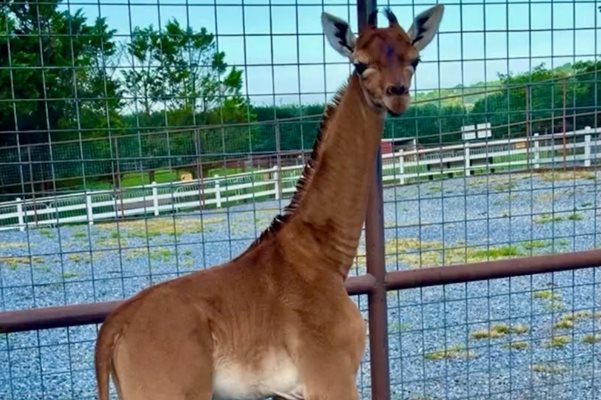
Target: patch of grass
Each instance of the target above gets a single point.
(187, 252)
(591, 338)
(69, 275)
(76, 258)
(516, 345)
(536, 244)
(519, 329)
(549, 368)
(563, 324)
(12, 245)
(162, 226)
(416, 253)
(399, 327)
(495, 332)
(43, 268)
(575, 217)
(451, 352)
(546, 295)
(79, 235)
(577, 315)
(587, 204)
(566, 175)
(494, 253)
(15, 262)
(47, 233)
(556, 341)
(547, 218)
(162, 254)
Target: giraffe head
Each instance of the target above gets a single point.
(385, 59)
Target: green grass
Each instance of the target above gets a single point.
(69, 275)
(564, 324)
(15, 262)
(451, 352)
(546, 295)
(79, 235)
(591, 338)
(135, 179)
(516, 345)
(556, 341)
(549, 368)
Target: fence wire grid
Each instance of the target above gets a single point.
(140, 141)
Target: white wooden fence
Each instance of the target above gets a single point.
(581, 148)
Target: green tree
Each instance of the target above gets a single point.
(56, 79)
(179, 70)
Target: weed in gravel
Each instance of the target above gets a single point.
(566, 175)
(161, 226)
(398, 327)
(15, 262)
(451, 352)
(591, 338)
(43, 268)
(12, 245)
(546, 295)
(520, 345)
(416, 253)
(563, 324)
(536, 244)
(79, 235)
(556, 341)
(495, 332)
(47, 233)
(69, 275)
(519, 329)
(161, 254)
(547, 218)
(549, 368)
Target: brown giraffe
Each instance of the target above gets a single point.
(276, 321)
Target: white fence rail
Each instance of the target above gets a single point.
(581, 148)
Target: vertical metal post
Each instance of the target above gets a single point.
(374, 237)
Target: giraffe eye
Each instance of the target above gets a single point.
(360, 67)
(415, 62)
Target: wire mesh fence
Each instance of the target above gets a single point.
(141, 140)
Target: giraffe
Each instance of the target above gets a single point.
(276, 320)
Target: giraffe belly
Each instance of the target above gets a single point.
(277, 375)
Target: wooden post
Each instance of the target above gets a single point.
(89, 208)
(217, 192)
(20, 216)
(155, 198)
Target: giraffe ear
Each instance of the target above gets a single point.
(339, 34)
(425, 26)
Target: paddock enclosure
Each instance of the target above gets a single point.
(141, 140)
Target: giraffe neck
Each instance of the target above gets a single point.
(329, 216)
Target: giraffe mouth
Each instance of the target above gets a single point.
(396, 105)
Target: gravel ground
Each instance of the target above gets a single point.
(520, 338)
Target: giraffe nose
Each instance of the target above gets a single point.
(396, 90)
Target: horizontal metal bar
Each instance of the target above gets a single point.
(485, 270)
(94, 313)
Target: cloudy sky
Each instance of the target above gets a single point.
(286, 59)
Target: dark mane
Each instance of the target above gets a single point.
(308, 170)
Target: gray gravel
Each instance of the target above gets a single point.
(488, 217)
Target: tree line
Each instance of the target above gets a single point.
(70, 81)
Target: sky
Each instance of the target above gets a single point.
(476, 41)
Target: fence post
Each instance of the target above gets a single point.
(587, 150)
(276, 182)
(20, 216)
(89, 208)
(401, 167)
(376, 263)
(468, 172)
(217, 192)
(155, 198)
(536, 152)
